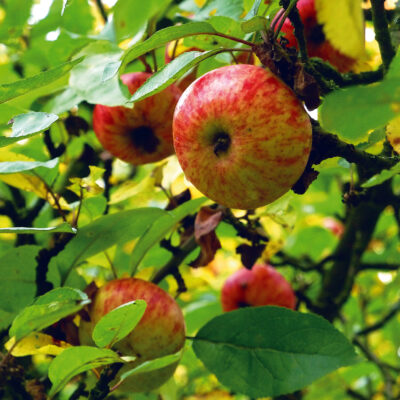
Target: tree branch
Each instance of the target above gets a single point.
(379, 324)
(382, 33)
(172, 265)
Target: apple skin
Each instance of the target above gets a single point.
(263, 285)
(241, 136)
(160, 332)
(142, 134)
(333, 225)
(317, 44)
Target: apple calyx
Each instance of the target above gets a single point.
(143, 138)
(221, 142)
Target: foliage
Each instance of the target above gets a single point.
(72, 215)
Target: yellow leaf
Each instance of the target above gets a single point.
(27, 181)
(92, 185)
(393, 133)
(36, 343)
(343, 25)
(131, 189)
(34, 184)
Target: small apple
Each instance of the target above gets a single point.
(263, 285)
(142, 134)
(317, 44)
(160, 332)
(241, 136)
(333, 225)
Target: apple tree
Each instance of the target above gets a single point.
(156, 154)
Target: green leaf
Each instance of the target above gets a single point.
(352, 112)
(63, 101)
(254, 10)
(270, 350)
(47, 310)
(160, 228)
(383, 176)
(233, 9)
(87, 77)
(18, 280)
(99, 235)
(17, 14)
(152, 365)
(118, 323)
(171, 73)
(11, 90)
(20, 166)
(64, 227)
(255, 24)
(75, 360)
(163, 36)
(130, 17)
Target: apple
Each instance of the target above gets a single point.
(160, 332)
(142, 134)
(241, 136)
(263, 285)
(317, 44)
(333, 225)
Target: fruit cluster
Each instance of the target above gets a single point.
(242, 138)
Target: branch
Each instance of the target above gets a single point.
(327, 145)
(243, 230)
(379, 324)
(172, 265)
(102, 10)
(379, 266)
(102, 389)
(298, 26)
(382, 33)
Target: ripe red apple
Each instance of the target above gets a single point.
(263, 285)
(241, 136)
(142, 134)
(317, 44)
(160, 332)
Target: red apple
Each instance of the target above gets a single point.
(142, 134)
(241, 136)
(333, 225)
(263, 285)
(317, 44)
(160, 332)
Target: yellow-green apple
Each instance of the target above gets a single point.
(241, 136)
(160, 332)
(263, 285)
(317, 44)
(142, 134)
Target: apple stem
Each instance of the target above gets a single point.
(285, 15)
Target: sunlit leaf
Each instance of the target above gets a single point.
(163, 36)
(74, 361)
(99, 235)
(47, 310)
(160, 228)
(171, 73)
(64, 227)
(118, 323)
(36, 343)
(22, 86)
